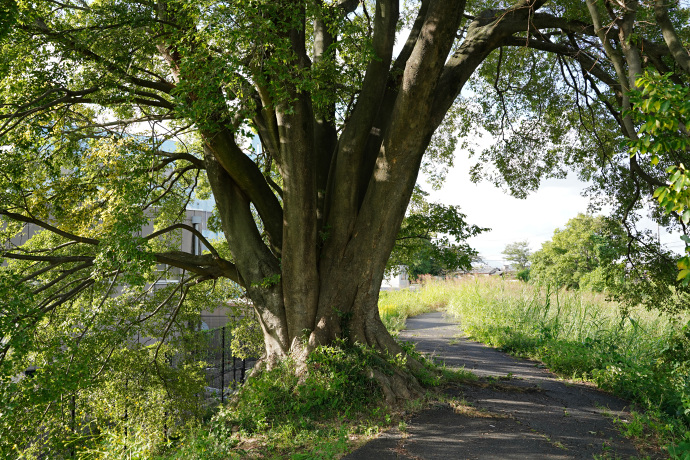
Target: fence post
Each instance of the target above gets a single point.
(73, 411)
(222, 368)
(126, 414)
(165, 413)
(244, 366)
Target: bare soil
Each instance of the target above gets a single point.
(516, 410)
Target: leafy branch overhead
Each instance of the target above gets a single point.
(432, 239)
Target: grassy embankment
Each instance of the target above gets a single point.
(642, 356)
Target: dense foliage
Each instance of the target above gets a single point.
(662, 108)
(431, 239)
(597, 253)
(588, 253)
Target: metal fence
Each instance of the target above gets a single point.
(224, 371)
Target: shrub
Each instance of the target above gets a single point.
(523, 275)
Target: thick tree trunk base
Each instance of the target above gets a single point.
(397, 384)
(387, 363)
(397, 381)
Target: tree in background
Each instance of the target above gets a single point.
(518, 253)
(431, 239)
(584, 255)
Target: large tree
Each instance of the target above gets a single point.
(583, 254)
(92, 93)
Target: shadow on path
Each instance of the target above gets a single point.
(517, 410)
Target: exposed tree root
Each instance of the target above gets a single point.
(398, 386)
(397, 381)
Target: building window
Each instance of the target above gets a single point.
(196, 244)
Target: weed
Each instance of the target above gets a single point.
(282, 414)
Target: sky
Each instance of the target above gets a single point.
(533, 219)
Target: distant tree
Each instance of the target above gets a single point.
(518, 253)
(587, 253)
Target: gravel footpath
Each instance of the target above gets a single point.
(517, 409)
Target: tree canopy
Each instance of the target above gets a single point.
(581, 255)
(116, 114)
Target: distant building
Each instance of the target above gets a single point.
(399, 279)
(480, 270)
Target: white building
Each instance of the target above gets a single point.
(398, 279)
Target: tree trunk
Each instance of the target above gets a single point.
(343, 198)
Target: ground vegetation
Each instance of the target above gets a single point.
(641, 356)
(588, 253)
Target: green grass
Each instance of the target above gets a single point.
(282, 413)
(396, 306)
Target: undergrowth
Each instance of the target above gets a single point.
(640, 355)
(282, 413)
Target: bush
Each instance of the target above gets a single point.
(335, 383)
(523, 275)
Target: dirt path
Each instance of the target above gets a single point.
(517, 410)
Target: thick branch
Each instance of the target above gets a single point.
(351, 146)
(679, 53)
(204, 265)
(190, 229)
(486, 32)
(249, 178)
(325, 134)
(47, 226)
(588, 63)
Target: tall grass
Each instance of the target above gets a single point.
(522, 318)
(396, 306)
